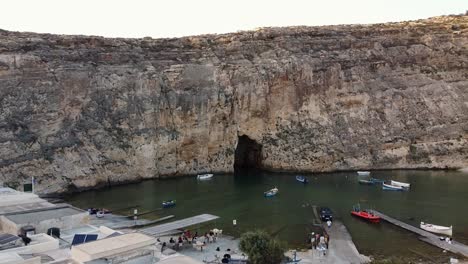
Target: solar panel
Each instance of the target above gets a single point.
(83, 238)
(7, 238)
(91, 237)
(78, 239)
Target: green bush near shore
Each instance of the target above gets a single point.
(261, 248)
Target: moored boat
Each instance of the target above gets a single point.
(364, 214)
(363, 173)
(205, 176)
(374, 180)
(167, 204)
(366, 182)
(271, 192)
(401, 184)
(389, 187)
(302, 179)
(436, 229)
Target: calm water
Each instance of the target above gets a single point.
(438, 197)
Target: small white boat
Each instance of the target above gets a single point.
(271, 192)
(437, 229)
(363, 173)
(401, 184)
(389, 187)
(205, 176)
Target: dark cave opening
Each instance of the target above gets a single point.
(248, 154)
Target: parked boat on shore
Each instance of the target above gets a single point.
(444, 230)
(302, 179)
(389, 187)
(167, 204)
(401, 184)
(271, 192)
(365, 214)
(205, 176)
(363, 173)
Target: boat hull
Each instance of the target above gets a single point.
(366, 216)
(302, 179)
(363, 173)
(400, 184)
(366, 182)
(387, 187)
(374, 180)
(436, 229)
(168, 204)
(204, 176)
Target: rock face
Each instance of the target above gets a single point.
(82, 111)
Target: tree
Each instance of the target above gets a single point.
(261, 247)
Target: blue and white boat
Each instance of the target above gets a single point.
(374, 180)
(167, 204)
(271, 192)
(388, 187)
(302, 179)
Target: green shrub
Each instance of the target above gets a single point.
(261, 248)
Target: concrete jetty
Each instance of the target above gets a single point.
(455, 247)
(164, 228)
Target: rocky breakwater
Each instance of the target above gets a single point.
(83, 111)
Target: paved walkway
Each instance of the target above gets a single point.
(341, 249)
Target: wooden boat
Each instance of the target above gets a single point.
(366, 182)
(437, 229)
(366, 215)
(205, 176)
(301, 179)
(167, 204)
(363, 173)
(374, 180)
(271, 192)
(401, 184)
(389, 187)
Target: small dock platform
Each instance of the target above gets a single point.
(455, 247)
(164, 228)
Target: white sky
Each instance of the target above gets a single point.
(174, 18)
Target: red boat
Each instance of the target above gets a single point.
(369, 216)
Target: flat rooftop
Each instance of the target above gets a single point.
(111, 246)
(43, 214)
(15, 201)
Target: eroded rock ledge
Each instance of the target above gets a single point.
(82, 111)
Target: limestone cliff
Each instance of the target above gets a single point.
(82, 111)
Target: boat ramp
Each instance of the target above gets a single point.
(455, 247)
(165, 228)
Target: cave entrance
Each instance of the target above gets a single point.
(248, 154)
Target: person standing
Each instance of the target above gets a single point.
(329, 223)
(312, 241)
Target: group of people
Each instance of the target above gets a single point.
(320, 241)
(188, 238)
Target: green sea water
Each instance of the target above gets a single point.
(438, 197)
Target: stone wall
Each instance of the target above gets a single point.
(81, 111)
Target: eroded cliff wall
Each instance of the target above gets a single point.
(81, 111)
